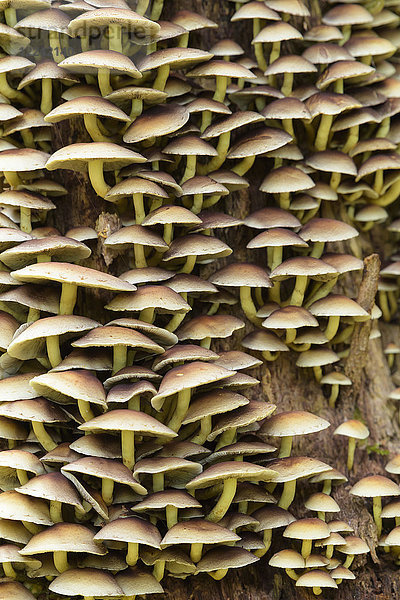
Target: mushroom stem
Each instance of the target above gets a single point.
(248, 305)
(33, 315)
(290, 335)
(42, 436)
(267, 539)
(321, 139)
(196, 551)
(128, 448)
(334, 395)
(205, 430)
(68, 298)
(140, 258)
(175, 322)
(115, 37)
(190, 171)
(103, 77)
(244, 165)
(299, 290)
(25, 219)
(327, 487)
(12, 178)
(96, 176)
(172, 515)
(220, 574)
(55, 45)
(259, 54)
(120, 353)
(92, 127)
(292, 574)
(335, 180)
(286, 446)
(224, 502)
(197, 204)
(275, 52)
(288, 493)
(350, 453)
(332, 327)
(189, 264)
(377, 509)
(10, 15)
(352, 139)
(317, 373)
(228, 437)
(329, 551)
(162, 76)
(270, 356)
(46, 104)
(142, 6)
(158, 482)
(53, 350)
(9, 570)
(349, 559)
(61, 560)
(181, 409)
(147, 315)
(107, 490)
(132, 555)
(317, 591)
(221, 82)
(32, 527)
(56, 511)
(138, 205)
(222, 148)
(159, 568)
(318, 249)
(9, 92)
(22, 476)
(306, 548)
(287, 86)
(85, 410)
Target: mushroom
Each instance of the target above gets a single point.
(316, 579)
(94, 158)
(217, 561)
(335, 379)
(354, 430)
(322, 503)
(71, 277)
(353, 546)
(375, 486)
(229, 473)
(128, 423)
(86, 582)
(288, 424)
(270, 518)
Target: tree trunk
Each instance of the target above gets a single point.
(282, 383)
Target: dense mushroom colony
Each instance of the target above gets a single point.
(136, 445)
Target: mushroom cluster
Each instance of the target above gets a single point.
(137, 446)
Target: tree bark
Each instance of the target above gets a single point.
(282, 383)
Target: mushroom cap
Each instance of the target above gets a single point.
(86, 105)
(270, 217)
(242, 417)
(132, 530)
(52, 486)
(317, 357)
(137, 581)
(93, 60)
(183, 353)
(188, 376)
(21, 459)
(30, 342)
(128, 420)
(354, 545)
(189, 145)
(290, 317)
(296, 422)
(162, 298)
(127, 19)
(111, 336)
(307, 529)
(70, 273)
(296, 467)
(159, 500)
(241, 274)
(203, 246)
(232, 122)
(157, 121)
(17, 507)
(58, 247)
(77, 156)
(286, 179)
(316, 578)
(259, 142)
(103, 468)
(327, 230)
(76, 582)
(322, 502)
(124, 392)
(264, 341)
(157, 334)
(353, 429)
(214, 326)
(47, 69)
(198, 531)
(15, 590)
(304, 265)
(34, 409)
(64, 387)
(97, 444)
(374, 486)
(213, 403)
(271, 517)
(225, 558)
(238, 470)
(338, 305)
(287, 559)
(22, 159)
(236, 360)
(277, 32)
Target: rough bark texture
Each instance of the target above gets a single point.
(281, 383)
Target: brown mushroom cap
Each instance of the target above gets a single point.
(198, 531)
(296, 422)
(87, 581)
